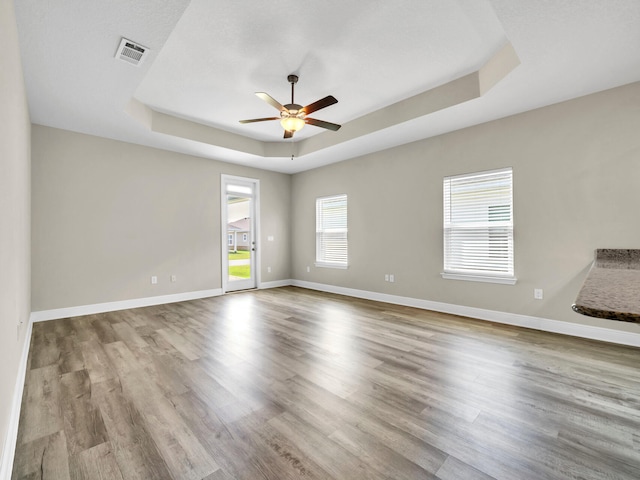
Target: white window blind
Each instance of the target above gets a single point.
(478, 226)
(331, 231)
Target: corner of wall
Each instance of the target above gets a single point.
(15, 235)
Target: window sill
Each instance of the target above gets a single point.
(479, 278)
(340, 266)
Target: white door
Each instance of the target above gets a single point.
(239, 233)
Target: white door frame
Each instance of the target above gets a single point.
(255, 230)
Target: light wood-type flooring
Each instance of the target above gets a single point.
(289, 383)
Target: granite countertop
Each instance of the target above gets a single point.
(612, 287)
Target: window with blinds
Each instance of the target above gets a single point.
(478, 226)
(331, 231)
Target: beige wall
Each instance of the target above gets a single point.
(14, 212)
(576, 169)
(107, 215)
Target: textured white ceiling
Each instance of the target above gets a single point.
(367, 58)
(208, 57)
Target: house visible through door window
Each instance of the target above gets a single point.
(478, 226)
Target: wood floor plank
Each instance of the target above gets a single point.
(45, 457)
(41, 412)
(454, 469)
(378, 456)
(83, 425)
(219, 475)
(133, 447)
(288, 383)
(83, 329)
(336, 460)
(202, 383)
(156, 343)
(335, 381)
(96, 361)
(97, 463)
(181, 344)
(136, 318)
(228, 450)
(47, 351)
(242, 389)
(370, 422)
(160, 370)
(182, 452)
(276, 455)
(571, 457)
(62, 327)
(104, 330)
(298, 402)
(136, 344)
(70, 359)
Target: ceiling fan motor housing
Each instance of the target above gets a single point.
(293, 109)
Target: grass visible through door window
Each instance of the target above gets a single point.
(240, 271)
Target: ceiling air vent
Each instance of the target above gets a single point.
(131, 52)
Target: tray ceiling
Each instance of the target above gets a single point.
(401, 72)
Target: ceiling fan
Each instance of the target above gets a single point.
(293, 116)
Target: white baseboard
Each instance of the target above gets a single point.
(526, 321)
(276, 284)
(9, 450)
(43, 315)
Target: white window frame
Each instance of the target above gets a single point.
(322, 259)
(478, 266)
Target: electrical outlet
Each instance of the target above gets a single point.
(174, 278)
(308, 268)
(386, 277)
(154, 280)
(270, 238)
(268, 269)
(392, 277)
(537, 293)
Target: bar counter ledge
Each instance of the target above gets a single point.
(612, 287)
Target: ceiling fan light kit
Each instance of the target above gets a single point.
(292, 123)
(293, 116)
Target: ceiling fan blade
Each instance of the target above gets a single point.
(322, 103)
(253, 120)
(271, 101)
(287, 134)
(321, 123)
